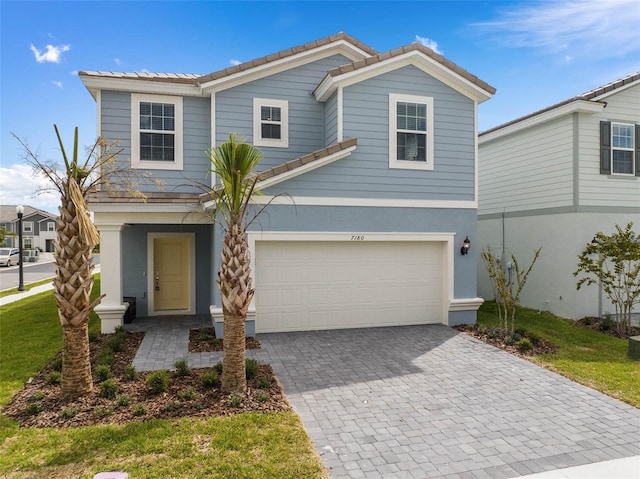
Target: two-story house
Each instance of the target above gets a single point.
(38, 227)
(377, 153)
(553, 179)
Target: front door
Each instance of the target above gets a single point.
(171, 273)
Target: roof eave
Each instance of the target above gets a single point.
(96, 83)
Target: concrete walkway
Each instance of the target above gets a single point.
(427, 402)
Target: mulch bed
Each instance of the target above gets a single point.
(264, 394)
(203, 340)
(606, 327)
(496, 337)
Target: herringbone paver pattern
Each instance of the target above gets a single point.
(427, 402)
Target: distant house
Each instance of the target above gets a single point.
(38, 227)
(553, 179)
(376, 150)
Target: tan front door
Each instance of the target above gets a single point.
(171, 262)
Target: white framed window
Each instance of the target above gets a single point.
(622, 148)
(410, 132)
(270, 123)
(27, 242)
(51, 226)
(156, 132)
(27, 226)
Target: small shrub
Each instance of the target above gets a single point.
(34, 408)
(139, 409)
(210, 379)
(262, 395)
(68, 412)
(252, 367)
(516, 337)
(188, 394)
(508, 340)
(109, 389)
(54, 377)
(93, 336)
(236, 399)
(197, 406)
(606, 323)
(492, 333)
(105, 357)
(587, 320)
(123, 400)
(172, 406)
(218, 368)
(130, 373)
(56, 365)
(120, 331)
(115, 343)
(216, 343)
(524, 345)
(535, 338)
(203, 335)
(36, 396)
(264, 381)
(182, 368)
(103, 372)
(158, 381)
(103, 411)
(521, 332)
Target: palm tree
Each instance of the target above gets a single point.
(234, 162)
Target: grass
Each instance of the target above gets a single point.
(247, 445)
(586, 356)
(27, 287)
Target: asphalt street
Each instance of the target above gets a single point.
(32, 272)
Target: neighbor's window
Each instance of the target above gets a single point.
(622, 143)
(27, 227)
(270, 122)
(156, 132)
(51, 226)
(27, 243)
(410, 132)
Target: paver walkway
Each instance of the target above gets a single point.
(427, 402)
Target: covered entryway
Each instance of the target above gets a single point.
(313, 285)
(172, 267)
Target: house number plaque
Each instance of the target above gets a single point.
(357, 238)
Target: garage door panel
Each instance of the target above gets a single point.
(325, 285)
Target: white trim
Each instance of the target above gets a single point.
(415, 58)
(24, 227)
(287, 175)
(578, 106)
(368, 202)
(394, 98)
(465, 304)
(150, 273)
(98, 113)
(340, 115)
(143, 216)
(136, 163)
(446, 239)
(632, 149)
(476, 153)
(283, 64)
(213, 135)
(95, 84)
(283, 141)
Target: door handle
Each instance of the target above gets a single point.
(157, 281)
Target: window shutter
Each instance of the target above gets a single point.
(637, 150)
(605, 147)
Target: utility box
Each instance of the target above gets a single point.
(634, 348)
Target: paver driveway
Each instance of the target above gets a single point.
(427, 402)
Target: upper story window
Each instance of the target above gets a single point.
(410, 132)
(156, 132)
(51, 226)
(270, 122)
(27, 226)
(619, 148)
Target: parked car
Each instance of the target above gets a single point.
(9, 256)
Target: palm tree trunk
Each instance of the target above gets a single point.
(234, 377)
(76, 362)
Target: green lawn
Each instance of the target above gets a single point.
(248, 445)
(584, 355)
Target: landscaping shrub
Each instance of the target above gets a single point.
(535, 338)
(36, 396)
(139, 409)
(524, 345)
(56, 365)
(188, 394)
(172, 406)
(508, 340)
(251, 367)
(210, 379)
(204, 335)
(105, 357)
(109, 389)
(264, 381)
(182, 368)
(158, 381)
(606, 323)
(34, 408)
(103, 372)
(123, 400)
(115, 343)
(68, 412)
(262, 395)
(236, 399)
(218, 368)
(93, 336)
(103, 411)
(130, 373)
(54, 377)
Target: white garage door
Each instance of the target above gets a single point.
(303, 285)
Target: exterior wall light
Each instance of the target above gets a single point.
(466, 244)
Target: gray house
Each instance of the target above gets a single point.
(38, 227)
(376, 151)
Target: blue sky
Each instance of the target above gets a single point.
(535, 53)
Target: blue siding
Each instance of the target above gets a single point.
(331, 120)
(116, 124)
(234, 109)
(366, 172)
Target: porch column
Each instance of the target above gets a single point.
(111, 309)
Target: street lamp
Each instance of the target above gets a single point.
(19, 212)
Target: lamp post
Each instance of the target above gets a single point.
(19, 212)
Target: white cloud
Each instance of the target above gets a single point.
(587, 27)
(52, 55)
(57, 83)
(74, 73)
(427, 42)
(117, 61)
(235, 62)
(19, 186)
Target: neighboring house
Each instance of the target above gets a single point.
(553, 179)
(38, 227)
(377, 153)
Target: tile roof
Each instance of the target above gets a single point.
(298, 162)
(406, 49)
(186, 78)
(586, 96)
(154, 197)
